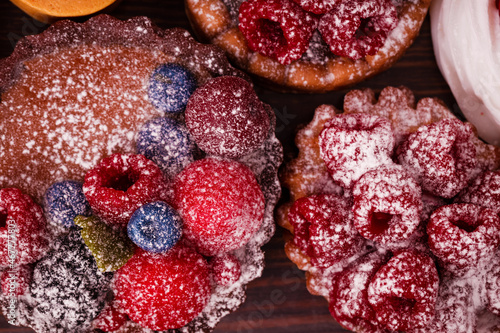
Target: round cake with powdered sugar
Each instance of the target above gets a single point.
(394, 215)
(119, 161)
(309, 45)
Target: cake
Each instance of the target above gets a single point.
(121, 145)
(393, 214)
(471, 74)
(308, 45)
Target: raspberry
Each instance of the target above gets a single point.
(120, 184)
(317, 6)
(221, 204)
(226, 269)
(483, 191)
(279, 29)
(441, 156)
(351, 144)
(387, 205)
(163, 291)
(16, 281)
(226, 118)
(111, 317)
(356, 29)
(403, 292)
(349, 299)
(323, 228)
(23, 236)
(492, 286)
(461, 235)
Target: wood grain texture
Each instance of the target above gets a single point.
(278, 301)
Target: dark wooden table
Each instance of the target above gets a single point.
(278, 301)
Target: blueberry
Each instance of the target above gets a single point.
(64, 201)
(167, 143)
(155, 227)
(170, 87)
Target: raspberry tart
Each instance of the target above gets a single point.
(472, 76)
(309, 45)
(121, 147)
(394, 215)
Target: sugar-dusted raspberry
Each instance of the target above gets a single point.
(351, 144)
(163, 291)
(111, 317)
(403, 292)
(441, 156)
(63, 201)
(15, 281)
(462, 235)
(317, 6)
(23, 235)
(120, 184)
(226, 118)
(356, 29)
(323, 228)
(226, 269)
(387, 205)
(484, 191)
(349, 294)
(221, 204)
(279, 29)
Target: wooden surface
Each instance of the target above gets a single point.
(277, 302)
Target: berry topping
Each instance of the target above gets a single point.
(387, 205)
(22, 229)
(226, 269)
(441, 156)
(111, 317)
(120, 184)
(356, 29)
(349, 294)
(317, 6)
(226, 117)
(403, 292)
(170, 86)
(67, 289)
(323, 228)
(351, 144)
(279, 29)
(166, 142)
(484, 191)
(16, 281)
(461, 235)
(64, 201)
(221, 204)
(111, 248)
(155, 227)
(163, 291)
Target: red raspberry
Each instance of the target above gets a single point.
(279, 29)
(403, 292)
(23, 236)
(387, 205)
(441, 156)
(221, 204)
(120, 184)
(163, 291)
(323, 229)
(226, 269)
(111, 317)
(461, 235)
(226, 117)
(16, 281)
(483, 191)
(317, 6)
(356, 29)
(349, 295)
(351, 144)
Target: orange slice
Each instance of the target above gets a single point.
(48, 11)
